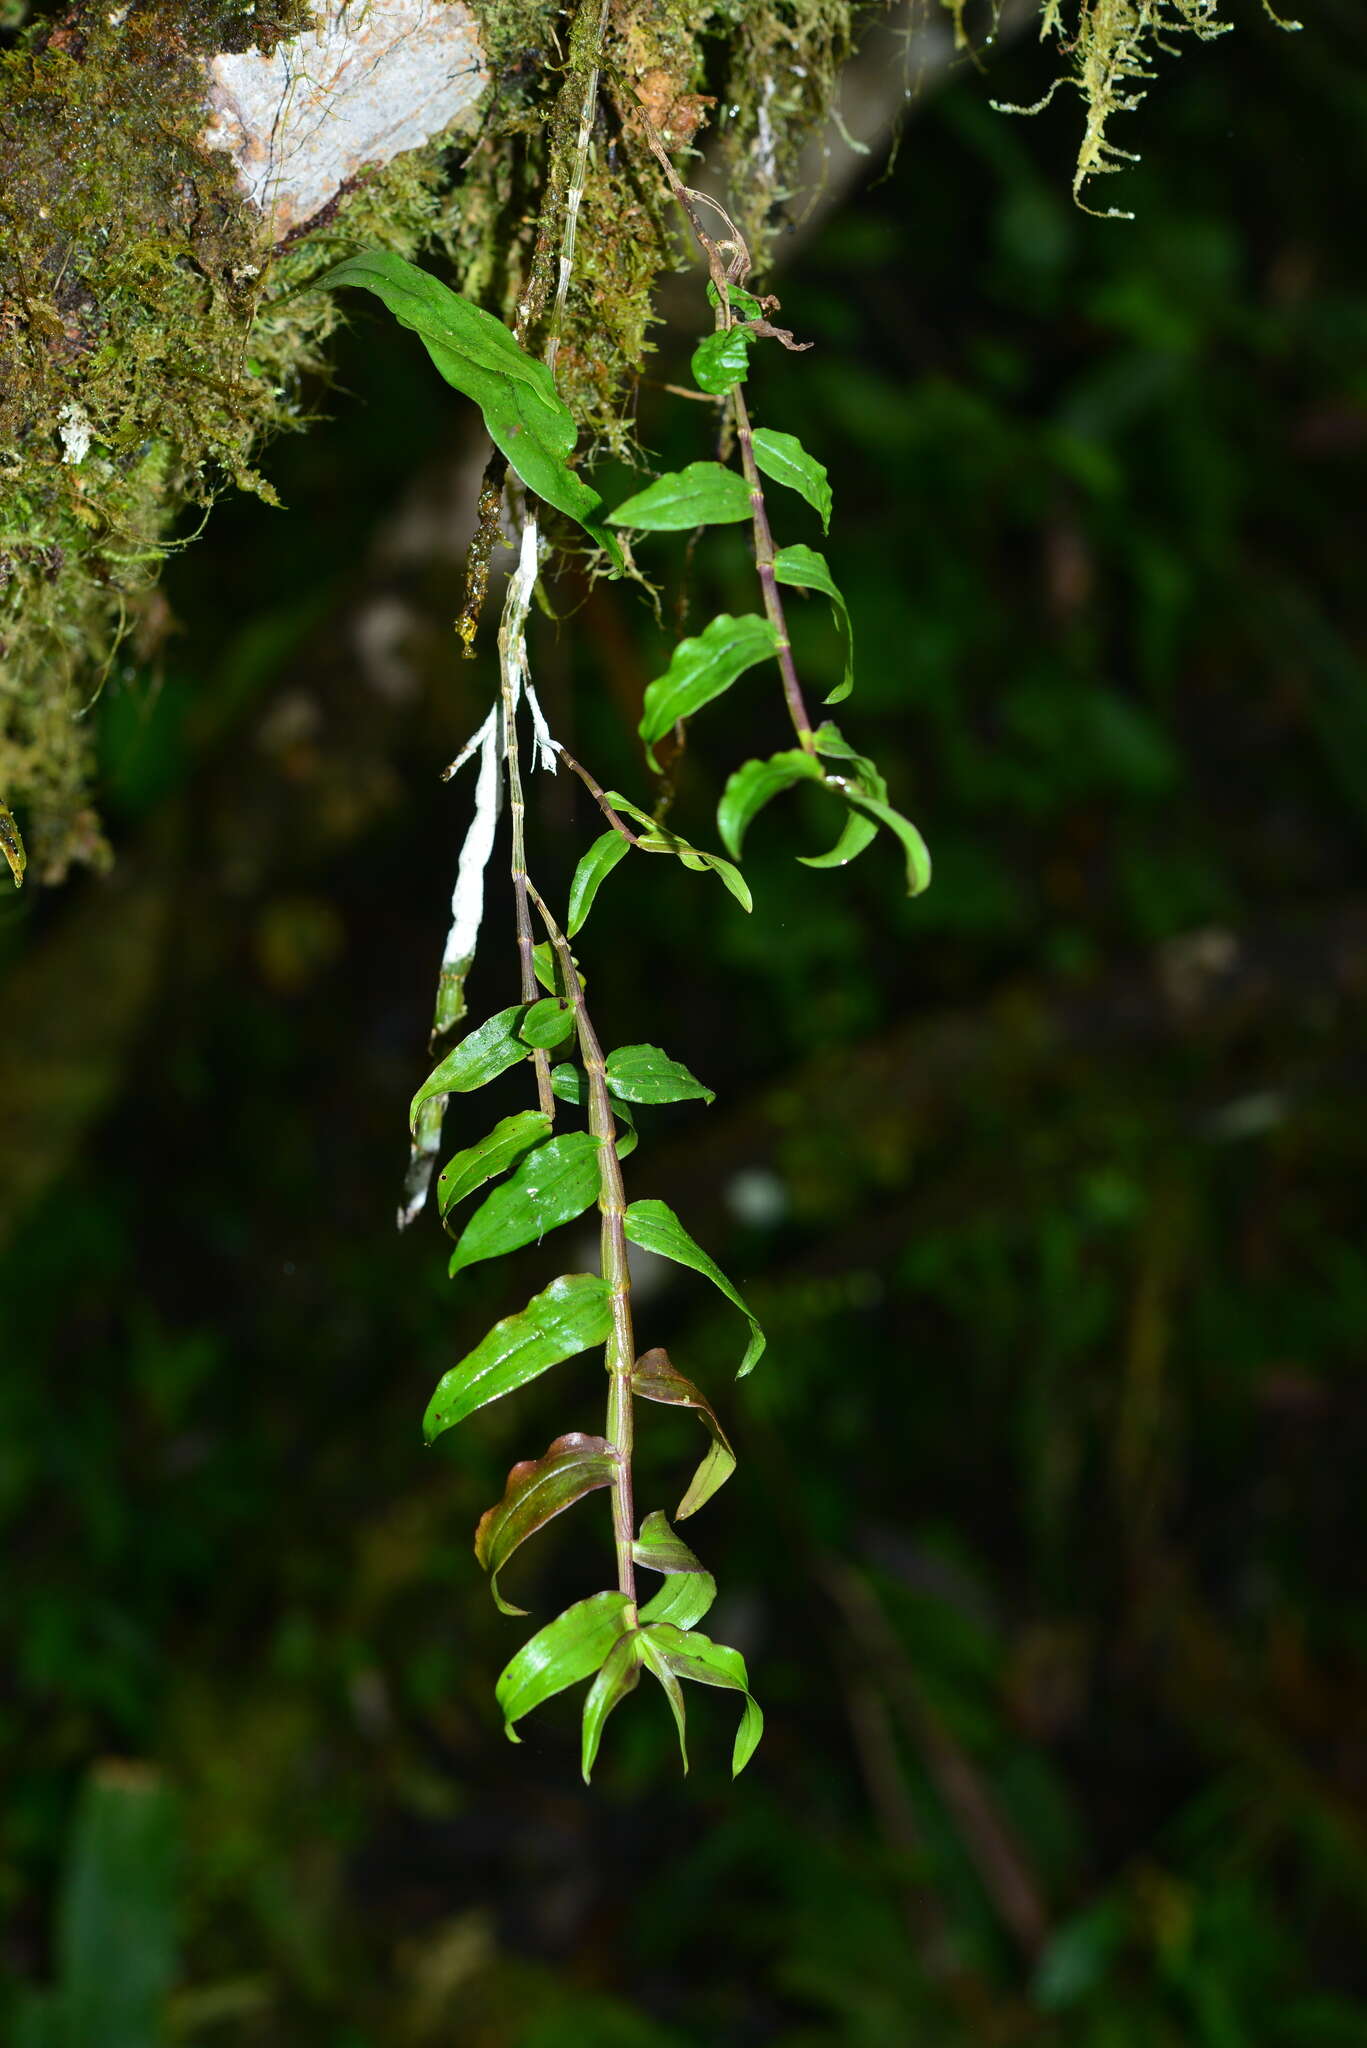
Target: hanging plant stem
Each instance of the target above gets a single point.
(764, 564)
(620, 1356)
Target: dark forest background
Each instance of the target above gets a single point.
(1046, 1545)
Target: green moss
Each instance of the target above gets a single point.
(1112, 46)
(150, 344)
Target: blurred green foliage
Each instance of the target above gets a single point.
(1045, 1543)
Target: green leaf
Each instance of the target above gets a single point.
(567, 1649)
(481, 1056)
(656, 839)
(917, 852)
(856, 833)
(657, 1661)
(592, 871)
(701, 669)
(546, 1023)
(723, 360)
(708, 1663)
(655, 1228)
(783, 457)
(805, 569)
(757, 783)
(654, 1378)
(688, 1590)
(642, 1073)
(537, 1490)
(859, 774)
(524, 413)
(703, 494)
(506, 1143)
(619, 1674)
(658, 1548)
(553, 1184)
(742, 302)
(683, 1599)
(567, 1317)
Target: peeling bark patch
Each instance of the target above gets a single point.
(374, 80)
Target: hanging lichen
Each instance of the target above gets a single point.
(1112, 45)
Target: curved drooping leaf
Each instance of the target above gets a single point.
(783, 458)
(661, 1550)
(865, 790)
(567, 1649)
(683, 1599)
(804, 569)
(593, 870)
(655, 1227)
(567, 1317)
(524, 413)
(654, 1378)
(656, 1660)
(509, 1141)
(546, 1023)
(688, 1590)
(642, 1073)
(757, 783)
(857, 772)
(537, 1490)
(917, 852)
(856, 833)
(618, 1675)
(553, 1184)
(703, 494)
(701, 669)
(707, 1663)
(657, 839)
(481, 1056)
(723, 360)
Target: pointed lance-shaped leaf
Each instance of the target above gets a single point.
(656, 1660)
(642, 1073)
(657, 839)
(757, 783)
(618, 1675)
(481, 1056)
(804, 569)
(866, 792)
(708, 1663)
(683, 1599)
(569, 1316)
(688, 1590)
(566, 1650)
(723, 360)
(537, 1490)
(509, 1141)
(914, 846)
(660, 1550)
(703, 668)
(655, 1227)
(525, 415)
(546, 1023)
(553, 1184)
(703, 494)
(783, 458)
(593, 870)
(654, 1378)
(857, 774)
